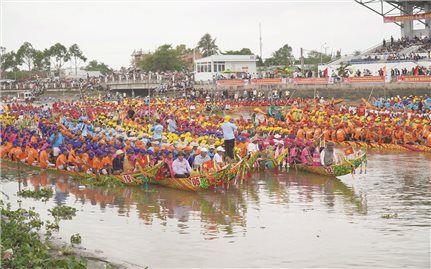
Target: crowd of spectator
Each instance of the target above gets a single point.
(39, 85)
(168, 80)
(391, 50)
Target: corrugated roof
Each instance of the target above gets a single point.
(228, 58)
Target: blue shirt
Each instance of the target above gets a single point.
(228, 130)
(58, 141)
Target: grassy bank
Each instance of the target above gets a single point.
(27, 241)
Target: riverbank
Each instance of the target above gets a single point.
(352, 92)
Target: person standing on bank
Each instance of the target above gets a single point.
(229, 129)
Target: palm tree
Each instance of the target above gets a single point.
(343, 68)
(207, 45)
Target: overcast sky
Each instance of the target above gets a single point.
(110, 31)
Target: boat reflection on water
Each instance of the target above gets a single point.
(221, 212)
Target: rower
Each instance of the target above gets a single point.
(180, 167)
(117, 162)
(328, 156)
(201, 158)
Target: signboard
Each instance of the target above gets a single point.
(367, 79)
(266, 81)
(387, 19)
(230, 82)
(414, 79)
(310, 81)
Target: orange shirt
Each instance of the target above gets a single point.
(4, 150)
(309, 133)
(32, 156)
(300, 134)
(14, 153)
(97, 164)
(429, 140)
(61, 160)
(106, 161)
(327, 135)
(23, 154)
(43, 159)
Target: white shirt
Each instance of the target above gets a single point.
(199, 160)
(181, 167)
(218, 158)
(322, 158)
(252, 147)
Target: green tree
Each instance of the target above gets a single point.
(259, 61)
(338, 54)
(59, 55)
(96, 66)
(282, 56)
(182, 49)
(77, 55)
(163, 59)
(342, 69)
(315, 57)
(41, 60)
(25, 55)
(243, 51)
(9, 61)
(207, 45)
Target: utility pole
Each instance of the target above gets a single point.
(302, 60)
(260, 41)
(2, 51)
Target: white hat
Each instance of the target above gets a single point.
(219, 148)
(97, 129)
(204, 150)
(194, 144)
(119, 152)
(277, 136)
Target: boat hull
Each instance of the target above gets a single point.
(347, 167)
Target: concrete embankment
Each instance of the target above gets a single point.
(345, 91)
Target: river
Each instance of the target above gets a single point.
(274, 219)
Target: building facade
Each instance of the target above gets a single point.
(217, 66)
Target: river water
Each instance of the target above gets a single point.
(274, 219)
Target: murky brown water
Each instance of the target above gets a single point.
(273, 220)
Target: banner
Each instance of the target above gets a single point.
(230, 82)
(387, 19)
(368, 79)
(414, 79)
(310, 81)
(266, 81)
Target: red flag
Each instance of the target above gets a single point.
(209, 165)
(348, 151)
(416, 71)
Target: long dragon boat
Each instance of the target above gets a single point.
(346, 167)
(151, 175)
(385, 147)
(199, 181)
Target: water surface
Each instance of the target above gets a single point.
(274, 219)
